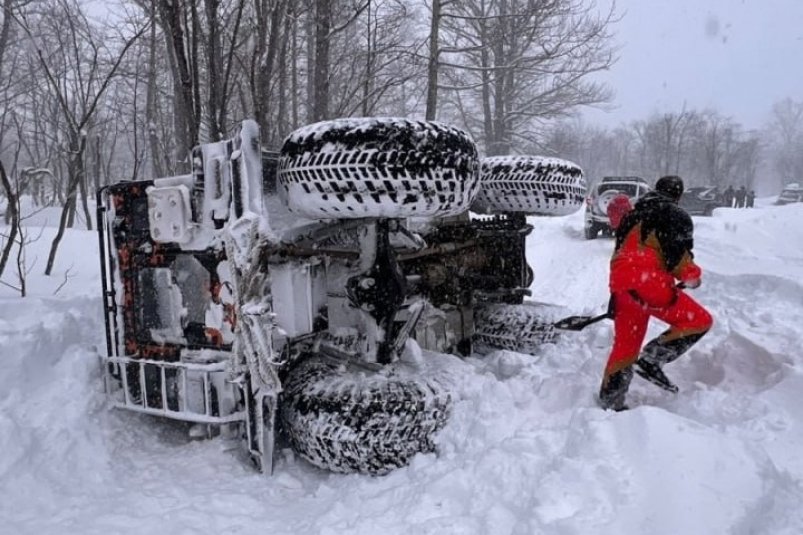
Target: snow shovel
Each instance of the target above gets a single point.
(578, 323)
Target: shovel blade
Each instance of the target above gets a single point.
(578, 323)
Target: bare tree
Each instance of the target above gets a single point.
(35, 125)
(220, 60)
(372, 59)
(598, 151)
(326, 27)
(725, 153)
(14, 79)
(272, 29)
(785, 132)
(662, 141)
(705, 148)
(178, 19)
(509, 65)
(78, 73)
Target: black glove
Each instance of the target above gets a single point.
(611, 307)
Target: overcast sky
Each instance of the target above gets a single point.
(736, 56)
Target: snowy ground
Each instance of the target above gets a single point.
(526, 451)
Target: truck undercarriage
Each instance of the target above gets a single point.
(258, 313)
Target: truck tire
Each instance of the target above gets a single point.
(378, 167)
(531, 185)
(522, 328)
(344, 420)
(605, 199)
(591, 231)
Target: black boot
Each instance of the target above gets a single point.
(659, 352)
(654, 374)
(614, 389)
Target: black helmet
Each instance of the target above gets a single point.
(671, 186)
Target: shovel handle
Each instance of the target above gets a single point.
(578, 323)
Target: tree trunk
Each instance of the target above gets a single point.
(21, 264)
(96, 165)
(157, 169)
(368, 79)
(187, 127)
(12, 217)
(282, 113)
(77, 147)
(263, 66)
(486, 94)
(294, 77)
(214, 58)
(432, 66)
(497, 146)
(323, 24)
(310, 31)
(84, 194)
(195, 70)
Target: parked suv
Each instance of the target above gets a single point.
(791, 193)
(596, 218)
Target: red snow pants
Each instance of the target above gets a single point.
(632, 311)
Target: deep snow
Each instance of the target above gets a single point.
(526, 450)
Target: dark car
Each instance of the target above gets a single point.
(701, 200)
(791, 193)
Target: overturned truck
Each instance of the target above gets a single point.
(276, 296)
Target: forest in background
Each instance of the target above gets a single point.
(94, 93)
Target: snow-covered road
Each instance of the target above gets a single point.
(526, 451)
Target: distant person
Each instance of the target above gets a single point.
(728, 196)
(740, 196)
(750, 199)
(653, 249)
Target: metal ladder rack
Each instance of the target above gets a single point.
(192, 400)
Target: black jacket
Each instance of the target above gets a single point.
(664, 226)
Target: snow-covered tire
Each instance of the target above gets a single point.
(378, 167)
(344, 420)
(591, 231)
(531, 185)
(522, 328)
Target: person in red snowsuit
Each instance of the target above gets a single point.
(653, 250)
(617, 209)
